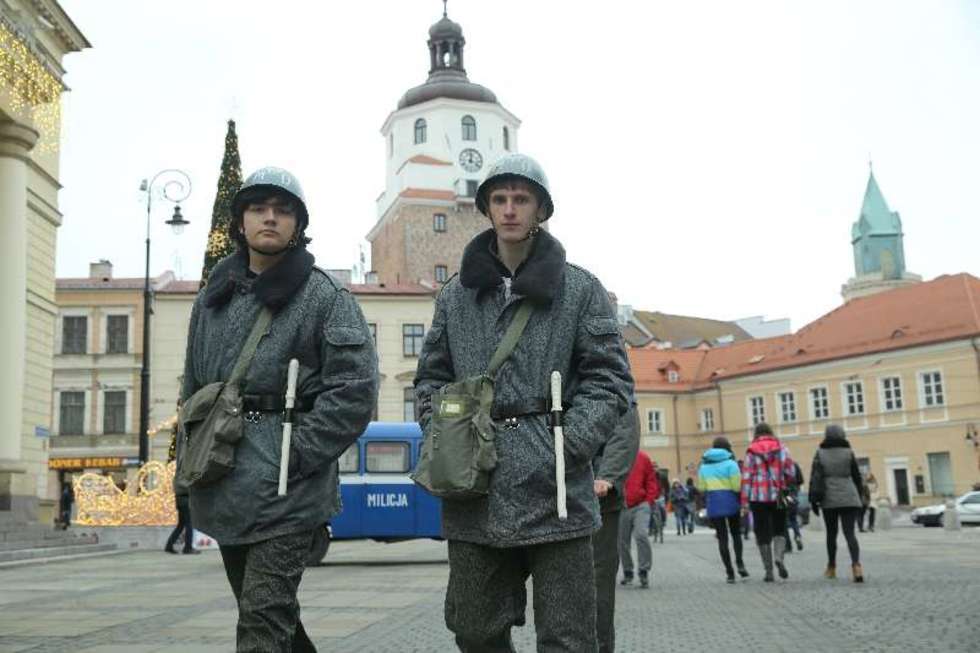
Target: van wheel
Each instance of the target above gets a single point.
(319, 546)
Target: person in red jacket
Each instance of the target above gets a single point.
(642, 490)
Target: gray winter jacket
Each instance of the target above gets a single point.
(835, 480)
(615, 460)
(318, 322)
(572, 330)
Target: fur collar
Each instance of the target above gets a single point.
(831, 442)
(274, 287)
(537, 278)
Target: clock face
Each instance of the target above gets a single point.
(470, 160)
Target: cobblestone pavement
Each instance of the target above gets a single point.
(922, 590)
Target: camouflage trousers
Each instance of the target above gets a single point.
(487, 595)
(265, 577)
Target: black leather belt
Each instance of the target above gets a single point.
(520, 408)
(255, 407)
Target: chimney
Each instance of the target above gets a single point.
(101, 270)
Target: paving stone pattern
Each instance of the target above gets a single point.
(922, 591)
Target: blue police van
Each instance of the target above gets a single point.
(380, 501)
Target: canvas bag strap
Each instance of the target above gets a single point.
(512, 335)
(248, 351)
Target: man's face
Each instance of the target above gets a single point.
(514, 211)
(268, 225)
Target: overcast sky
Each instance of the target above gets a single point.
(706, 158)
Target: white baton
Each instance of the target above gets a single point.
(287, 424)
(559, 444)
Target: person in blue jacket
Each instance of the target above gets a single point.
(720, 480)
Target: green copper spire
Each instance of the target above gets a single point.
(877, 236)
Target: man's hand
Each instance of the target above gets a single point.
(601, 487)
(744, 511)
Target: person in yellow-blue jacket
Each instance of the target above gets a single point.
(720, 480)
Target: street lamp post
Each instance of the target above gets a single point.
(176, 187)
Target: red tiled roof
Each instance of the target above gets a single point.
(946, 308)
(425, 160)
(90, 283)
(390, 289)
(427, 194)
(181, 287)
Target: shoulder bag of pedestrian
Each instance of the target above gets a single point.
(212, 422)
(458, 452)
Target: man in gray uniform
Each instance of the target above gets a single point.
(611, 467)
(497, 541)
(264, 537)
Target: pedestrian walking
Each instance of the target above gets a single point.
(793, 513)
(302, 313)
(67, 499)
(679, 501)
(642, 490)
(720, 481)
(182, 501)
(693, 503)
(871, 509)
(514, 531)
(768, 475)
(611, 467)
(835, 488)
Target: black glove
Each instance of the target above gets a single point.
(815, 508)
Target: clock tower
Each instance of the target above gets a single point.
(439, 142)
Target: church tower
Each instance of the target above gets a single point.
(440, 140)
(879, 252)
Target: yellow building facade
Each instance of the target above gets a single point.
(900, 371)
(34, 39)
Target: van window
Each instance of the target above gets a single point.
(387, 457)
(348, 462)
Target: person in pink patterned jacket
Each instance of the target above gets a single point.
(767, 472)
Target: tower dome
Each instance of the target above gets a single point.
(447, 76)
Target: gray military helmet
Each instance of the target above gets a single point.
(520, 166)
(273, 178)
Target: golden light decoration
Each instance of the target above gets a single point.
(33, 89)
(217, 241)
(151, 503)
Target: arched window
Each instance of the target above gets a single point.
(420, 131)
(469, 128)
(506, 139)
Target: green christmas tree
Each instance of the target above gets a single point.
(219, 245)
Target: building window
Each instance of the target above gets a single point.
(891, 390)
(114, 412)
(74, 333)
(117, 334)
(420, 131)
(655, 422)
(439, 222)
(72, 413)
(787, 407)
(757, 407)
(506, 139)
(408, 405)
(854, 395)
(673, 376)
(819, 405)
(471, 187)
(932, 388)
(412, 337)
(373, 328)
(442, 273)
(469, 128)
(707, 420)
(349, 461)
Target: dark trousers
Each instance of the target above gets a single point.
(487, 595)
(265, 577)
(723, 526)
(767, 521)
(870, 512)
(605, 555)
(183, 525)
(847, 518)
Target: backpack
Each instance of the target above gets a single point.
(458, 450)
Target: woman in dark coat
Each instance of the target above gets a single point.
(835, 488)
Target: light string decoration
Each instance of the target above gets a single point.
(151, 503)
(34, 92)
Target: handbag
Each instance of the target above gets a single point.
(458, 450)
(212, 422)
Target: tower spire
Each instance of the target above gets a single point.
(445, 8)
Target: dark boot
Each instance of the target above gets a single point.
(627, 578)
(799, 543)
(765, 551)
(779, 550)
(742, 571)
(644, 580)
